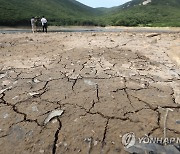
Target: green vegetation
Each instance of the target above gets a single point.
(71, 12)
(158, 13)
(58, 12)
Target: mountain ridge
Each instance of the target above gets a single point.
(72, 12)
(154, 13)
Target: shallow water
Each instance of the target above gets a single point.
(93, 29)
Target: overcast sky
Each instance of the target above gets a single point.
(103, 3)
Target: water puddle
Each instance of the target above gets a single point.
(94, 29)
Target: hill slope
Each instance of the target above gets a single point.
(146, 13)
(71, 12)
(14, 12)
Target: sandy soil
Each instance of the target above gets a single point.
(107, 84)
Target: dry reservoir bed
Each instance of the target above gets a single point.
(104, 84)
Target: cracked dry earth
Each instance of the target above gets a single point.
(107, 84)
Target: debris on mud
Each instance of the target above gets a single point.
(55, 113)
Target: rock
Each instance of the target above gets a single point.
(31, 39)
(36, 81)
(3, 90)
(89, 82)
(177, 121)
(2, 75)
(153, 35)
(33, 93)
(6, 82)
(35, 109)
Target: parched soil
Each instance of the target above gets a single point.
(107, 84)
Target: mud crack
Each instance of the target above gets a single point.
(56, 137)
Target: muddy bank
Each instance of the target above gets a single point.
(107, 84)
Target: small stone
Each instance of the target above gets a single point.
(54, 121)
(41, 151)
(5, 115)
(89, 82)
(6, 83)
(36, 81)
(153, 34)
(177, 121)
(15, 82)
(35, 109)
(79, 150)
(75, 120)
(15, 97)
(2, 75)
(95, 143)
(33, 93)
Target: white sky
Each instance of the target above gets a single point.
(103, 3)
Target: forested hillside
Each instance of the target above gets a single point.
(145, 13)
(61, 12)
(71, 12)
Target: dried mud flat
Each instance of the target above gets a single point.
(107, 84)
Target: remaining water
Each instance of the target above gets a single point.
(94, 29)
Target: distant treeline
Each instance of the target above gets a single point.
(54, 22)
(76, 22)
(122, 20)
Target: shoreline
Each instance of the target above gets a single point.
(94, 29)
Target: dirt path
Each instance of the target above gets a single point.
(107, 84)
